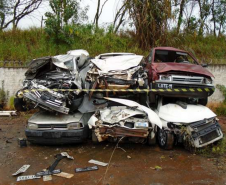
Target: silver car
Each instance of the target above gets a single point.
(51, 128)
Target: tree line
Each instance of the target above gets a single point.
(150, 20)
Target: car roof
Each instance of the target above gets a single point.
(170, 49)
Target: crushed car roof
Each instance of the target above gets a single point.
(118, 62)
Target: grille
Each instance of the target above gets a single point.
(198, 80)
(208, 137)
(52, 126)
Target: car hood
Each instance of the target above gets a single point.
(51, 118)
(118, 63)
(192, 68)
(177, 114)
(152, 116)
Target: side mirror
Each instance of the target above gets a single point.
(204, 65)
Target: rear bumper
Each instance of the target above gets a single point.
(55, 137)
(182, 90)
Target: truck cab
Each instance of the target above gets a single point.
(177, 73)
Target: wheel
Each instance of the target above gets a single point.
(165, 139)
(203, 101)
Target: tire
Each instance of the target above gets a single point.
(165, 139)
(20, 105)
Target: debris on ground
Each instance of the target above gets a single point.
(47, 178)
(92, 168)
(129, 157)
(65, 175)
(157, 168)
(27, 177)
(22, 142)
(21, 170)
(97, 162)
(8, 113)
(59, 157)
(47, 172)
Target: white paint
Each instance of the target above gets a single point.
(118, 62)
(193, 113)
(152, 116)
(13, 79)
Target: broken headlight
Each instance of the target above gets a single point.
(73, 126)
(32, 126)
(208, 81)
(165, 78)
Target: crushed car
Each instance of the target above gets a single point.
(128, 120)
(171, 68)
(195, 126)
(50, 81)
(50, 128)
(116, 71)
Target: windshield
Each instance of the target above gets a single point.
(173, 56)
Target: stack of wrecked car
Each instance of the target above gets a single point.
(101, 97)
(60, 86)
(182, 87)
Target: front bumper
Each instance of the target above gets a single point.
(55, 137)
(205, 135)
(182, 90)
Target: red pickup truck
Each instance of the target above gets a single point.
(171, 68)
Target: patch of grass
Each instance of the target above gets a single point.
(25, 45)
(214, 150)
(10, 104)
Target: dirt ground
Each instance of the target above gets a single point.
(130, 163)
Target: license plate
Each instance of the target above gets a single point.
(28, 177)
(49, 135)
(165, 86)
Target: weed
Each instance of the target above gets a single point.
(217, 149)
(25, 45)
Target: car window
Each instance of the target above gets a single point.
(173, 56)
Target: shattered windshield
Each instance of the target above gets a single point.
(173, 56)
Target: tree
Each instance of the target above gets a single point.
(64, 13)
(204, 11)
(120, 17)
(12, 11)
(150, 20)
(98, 12)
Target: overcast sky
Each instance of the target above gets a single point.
(107, 15)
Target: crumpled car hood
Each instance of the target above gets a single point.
(170, 66)
(118, 62)
(152, 116)
(175, 113)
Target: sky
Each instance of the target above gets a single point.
(107, 15)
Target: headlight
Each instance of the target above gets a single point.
(165, 78)
(208, 81)
(72, 126)
(32, 126)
